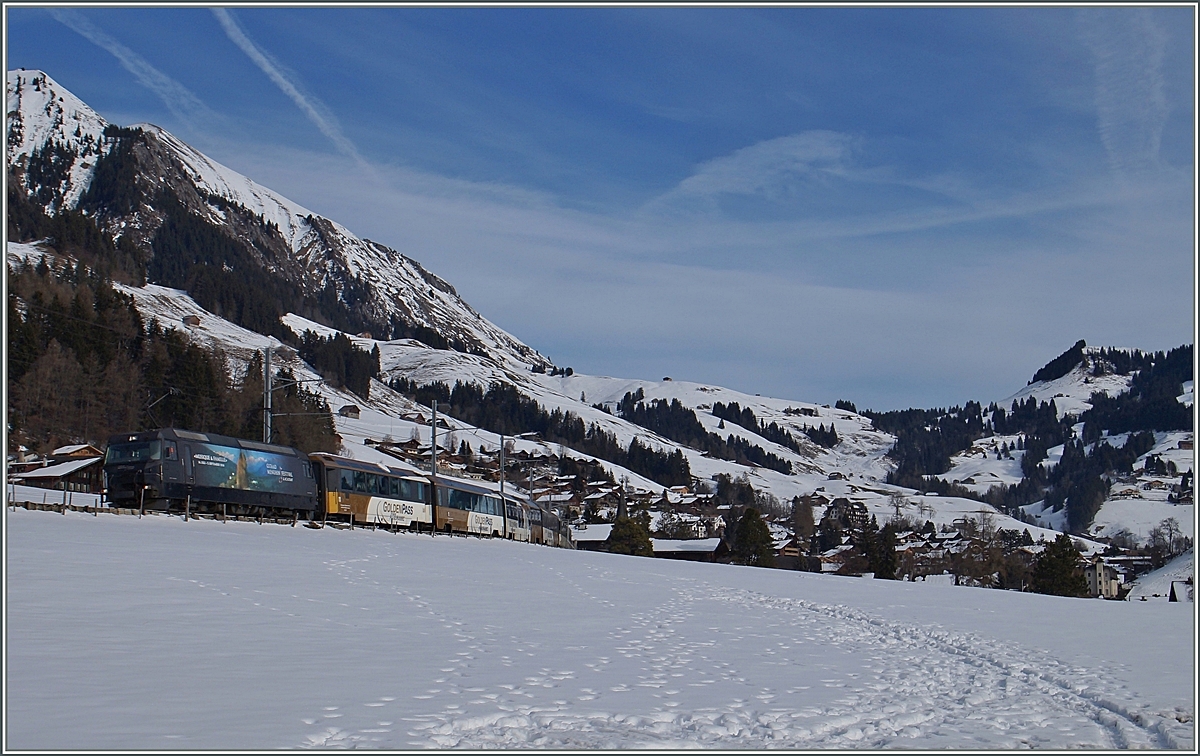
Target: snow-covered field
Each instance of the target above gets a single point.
(155, 633)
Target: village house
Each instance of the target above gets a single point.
(77, 468)
(691, 550)
(1102, 579)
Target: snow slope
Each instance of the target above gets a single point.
(1156, 586)
(159, 634)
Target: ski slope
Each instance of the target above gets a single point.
(155, 633)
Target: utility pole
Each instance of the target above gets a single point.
(267, 395)
(503, 503)
(433, 444)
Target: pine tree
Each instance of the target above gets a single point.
(753, 544)
(630, 535)
(1057, 569)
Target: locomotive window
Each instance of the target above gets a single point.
(135, 452)
(169, 451)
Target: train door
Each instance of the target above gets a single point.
(189, 475)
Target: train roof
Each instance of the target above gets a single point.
(364, 466)
(177, 434)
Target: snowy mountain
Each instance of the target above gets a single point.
(133, 181)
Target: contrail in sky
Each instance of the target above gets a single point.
(179, 100)
(311, 107)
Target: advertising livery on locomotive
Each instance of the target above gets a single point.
(156, 469)
(171, 469)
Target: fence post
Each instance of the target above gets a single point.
(223, 508)
(187, 511)
(141, 502)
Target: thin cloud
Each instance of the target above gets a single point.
(313, 108)
(179, 100)
(766, 168)
(1131, 99)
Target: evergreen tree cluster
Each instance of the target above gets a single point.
(821, 436)
(1060, 365)
(75, 234)
(1151, 402)
(1078, 481)
(1031, 418)
(745, 417)
(339, 361)
(1121, 361)
(842, 404)
(503, 409)
(926, 439)
(879, 547)
(680, 424)
(218, 271)
(113, 191)
(82, 366)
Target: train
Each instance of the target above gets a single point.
(171, 469)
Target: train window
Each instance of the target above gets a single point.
(360, 481)
(411, 490)
(394, 487)
(347, 480)
(308, 473)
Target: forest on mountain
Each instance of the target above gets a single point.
(82, 365)
(927, 439)
(501, 408)
(674, 421)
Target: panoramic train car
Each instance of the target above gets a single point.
(468, 506)
(536, 533)
(550, 527)
(517, 516)
(172, 469)
(370, 492)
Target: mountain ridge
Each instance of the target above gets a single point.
(59, 148)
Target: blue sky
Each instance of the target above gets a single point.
(900, 207)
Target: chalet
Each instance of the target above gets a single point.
(838, 560)
(350, 410)
(692, 550)
(191, 321)
(1126, 493)
(75, 451)
(83, 475)
(592, 537)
